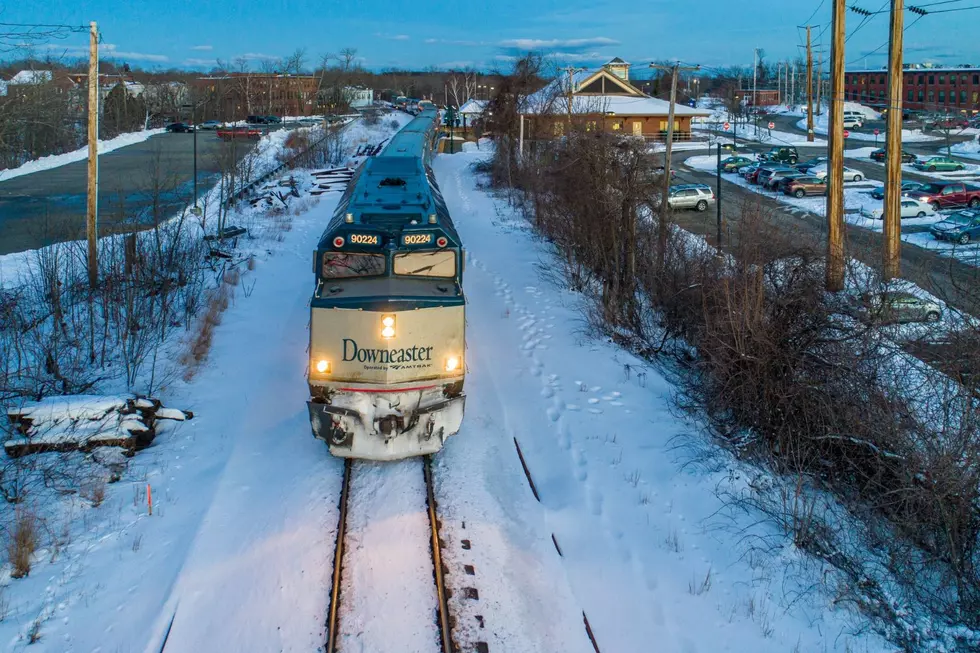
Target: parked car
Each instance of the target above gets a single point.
(749, 171)
(778, 177)
(853, 122)
(879, 155)
(938, 164)
(179, 128)
(782, 154)
(733, 163)
(959, 227)
(907, 187)
(849, 173)
(946, 122)
(913, 208)
(805, 166)
(894, 306)
(272, 120)
(949, 194)
(238, 133)
(211, 125)
(805, 185)
(690, 196)
(765, 171)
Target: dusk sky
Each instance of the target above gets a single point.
(402, 34)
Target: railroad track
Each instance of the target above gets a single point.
(336, 596)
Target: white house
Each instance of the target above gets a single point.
(359, 97)
(31, 77)
(472, 110)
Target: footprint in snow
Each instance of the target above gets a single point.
(553, 414)
(595, 411)
(572, 407)
(593, 400)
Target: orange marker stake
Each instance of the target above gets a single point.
(149, 498)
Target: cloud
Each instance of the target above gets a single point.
(207, 48)
(557, 44)
(392, 37)
(200, 63)
(456, 42)
(106, 51)
(258, 56)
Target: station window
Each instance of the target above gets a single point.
(962, 97)
(976, 79)
(911, 94)
(942, 79)
(932, 96)
(921, 96)
(932, 79)
(942, 97)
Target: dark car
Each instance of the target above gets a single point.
(811, 163)
(272, 120)
(257, 120)
(179, 128)
(959, 227)
(879, 155)
(733, 163)
(781, 154)
(805, 185)
(894, 306)
(749, 172)
(907, 187)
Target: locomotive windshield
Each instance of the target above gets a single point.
(439, 263)
(339, 265)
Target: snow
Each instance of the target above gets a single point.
(58, 160)
(968, 149)
(634, 525)
(75, 407)
(908, 135)
(237, 555)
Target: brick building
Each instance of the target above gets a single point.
(234, 96)
(923, 88)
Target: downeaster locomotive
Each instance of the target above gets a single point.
(387, 323)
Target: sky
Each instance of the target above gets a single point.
(485, 35)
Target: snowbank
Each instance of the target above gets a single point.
(820, 126)
(58, 160)
(967, 150)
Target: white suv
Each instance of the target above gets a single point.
(691, 196)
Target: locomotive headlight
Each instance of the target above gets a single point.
(387, 326)
(452, 363)
(323, 366)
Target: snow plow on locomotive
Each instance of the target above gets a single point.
(387, 322)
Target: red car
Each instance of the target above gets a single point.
(229, 134)
(945, 195)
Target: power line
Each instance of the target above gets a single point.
(868, 54)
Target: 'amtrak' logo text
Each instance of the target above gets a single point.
(406, 355)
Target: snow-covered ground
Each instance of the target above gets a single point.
(968, 149)
(238, 553)
(908, 135)
(57, 160)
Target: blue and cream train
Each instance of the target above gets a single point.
(387, 323)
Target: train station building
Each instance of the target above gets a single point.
(604, 99)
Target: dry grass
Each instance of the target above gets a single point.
(93, 490)
(23, 542)
(218, 301)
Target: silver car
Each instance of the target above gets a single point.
(691, 196)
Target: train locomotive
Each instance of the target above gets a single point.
(387, 316)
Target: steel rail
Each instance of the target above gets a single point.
(445, 633)
(338, 558)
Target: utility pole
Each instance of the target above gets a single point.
(92, 222)
(755, 95)
(792, 84)
(571, 89)
(819, 82)
(779, 83)
(893, 147)
(835, 163)
(809, 85)
(662, 231)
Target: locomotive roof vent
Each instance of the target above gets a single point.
(392, 181)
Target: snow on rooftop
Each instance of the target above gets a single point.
(473, 106)
(31, 77)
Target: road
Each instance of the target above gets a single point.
(49, 206)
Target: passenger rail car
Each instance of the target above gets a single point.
(387, 316)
